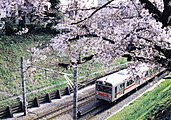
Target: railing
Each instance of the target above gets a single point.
(10, 110)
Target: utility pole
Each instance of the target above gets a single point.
(75, 74)
(23, 87)
(75, 77)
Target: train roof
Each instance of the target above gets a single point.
(120, 76)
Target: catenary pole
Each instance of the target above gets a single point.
(23, 87)
(75, 76)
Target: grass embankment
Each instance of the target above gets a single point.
(147, 105)
(13, 47)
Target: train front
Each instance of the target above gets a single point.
(103, 91)
(110, 87)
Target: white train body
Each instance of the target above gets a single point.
(113, 86)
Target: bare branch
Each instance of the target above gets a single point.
(92, 8)
(80, 61)
(146, 39)
(90, 35)
(103, 6)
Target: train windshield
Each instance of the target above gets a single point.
(103, 88)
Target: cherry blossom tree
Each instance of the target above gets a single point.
(129, 28)
(29, 14)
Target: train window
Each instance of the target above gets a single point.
(115, 91)
(122, 85)
(151, 72)
(129, 82)
(98, 87)
(105, 89)
(146, 73)
(108, 84)
(156, 69)
(98, 82)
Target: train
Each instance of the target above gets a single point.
(114, 86)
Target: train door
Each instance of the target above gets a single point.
(122, 88)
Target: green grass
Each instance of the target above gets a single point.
(11, 49)
(147, 105)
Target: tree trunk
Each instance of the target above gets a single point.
(166, 15)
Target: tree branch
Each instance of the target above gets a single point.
(139, 15)
(157, 14)
(92, 8)
(165, 51)
(90, 35)
(146, 39)
(139, 58)
(103, 6)
(166, 16)
(80, 61)
(86, 59)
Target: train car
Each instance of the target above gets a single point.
(113, 86)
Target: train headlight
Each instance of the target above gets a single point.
(110, 96)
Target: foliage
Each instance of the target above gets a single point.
(147, 105)
(22, 16)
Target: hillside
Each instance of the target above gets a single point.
(41, 67)
(11, 49)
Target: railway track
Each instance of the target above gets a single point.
(67, 108)
(14, 111)
(88, 107)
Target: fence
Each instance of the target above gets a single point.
(10, 110)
